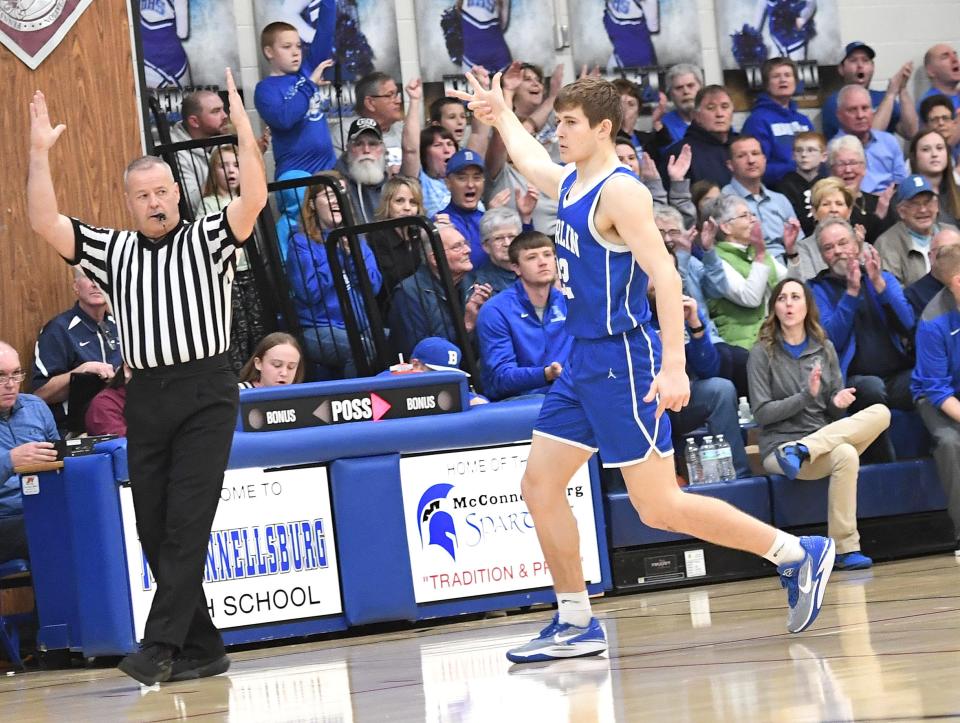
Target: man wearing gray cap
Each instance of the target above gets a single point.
(894, 111)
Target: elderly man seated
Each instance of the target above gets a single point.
(26, 435)
(864, 312)
(904, 247)
(498, 228)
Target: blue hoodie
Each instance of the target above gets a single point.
(516, 345)
(936, 376)
(292, 106)
(775, 126)
(311, 280)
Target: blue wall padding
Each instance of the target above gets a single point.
(372, 552)
(899, 488)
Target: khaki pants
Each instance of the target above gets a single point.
(835, 450)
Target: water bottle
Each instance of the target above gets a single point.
(692, 456)
(725, 460)
(744, 412)
(708, 461)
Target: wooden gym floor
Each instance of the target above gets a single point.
(885, 648)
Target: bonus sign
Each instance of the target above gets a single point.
(270, 557)
(469, 531)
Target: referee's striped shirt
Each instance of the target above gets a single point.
(170, 297)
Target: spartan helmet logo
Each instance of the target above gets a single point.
(438, 522)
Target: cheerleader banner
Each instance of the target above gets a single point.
(457, 34)
(187, 43)
(634, 34)
(750, 31)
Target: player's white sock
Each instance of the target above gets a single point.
(785, 549)
(574, 608)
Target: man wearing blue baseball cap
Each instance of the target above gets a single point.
(465, 179)
(894, 111)
(904, 247)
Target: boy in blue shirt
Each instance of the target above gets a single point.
(936, 377)
(289, 99)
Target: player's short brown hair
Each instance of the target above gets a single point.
(268, 36)
(599, 100)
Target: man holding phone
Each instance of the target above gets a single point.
(865, 314)
(27, 432)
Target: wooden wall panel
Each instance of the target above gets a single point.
(89, 84)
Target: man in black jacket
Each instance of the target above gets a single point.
(709, 137)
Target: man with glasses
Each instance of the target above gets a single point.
(937, 113)
(905, 247)
(27, 431)
(379, 97)
(81, 340)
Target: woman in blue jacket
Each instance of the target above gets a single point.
(312, 285)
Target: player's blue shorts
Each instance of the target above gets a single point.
(597, 403)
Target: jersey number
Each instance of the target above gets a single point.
(563, 271)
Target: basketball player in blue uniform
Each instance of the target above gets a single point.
(629, 24)
(164, 24)
(483, 23)
(620, 377)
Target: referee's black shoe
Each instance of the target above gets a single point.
(187, 668)
(151, 664)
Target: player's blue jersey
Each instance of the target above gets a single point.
(162, 49)
(483, 42)
(606, 289)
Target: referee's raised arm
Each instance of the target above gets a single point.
(45, 219)
(242, 212)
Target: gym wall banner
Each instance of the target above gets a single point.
(31, 29)
(187, 43)
(634, 34)
(468, 529)
(271, 555)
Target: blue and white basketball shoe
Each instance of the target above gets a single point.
(562, 640)
(806, 581)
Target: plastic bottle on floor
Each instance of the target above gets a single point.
(692, 457)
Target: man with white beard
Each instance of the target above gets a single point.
(364, 165)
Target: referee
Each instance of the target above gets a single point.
(169, 284)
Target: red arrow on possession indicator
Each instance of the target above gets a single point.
(380, 406)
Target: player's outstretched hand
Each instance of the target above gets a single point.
(487, 105)
(42, 134)
(671, 389)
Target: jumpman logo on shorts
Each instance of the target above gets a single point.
(610, 374)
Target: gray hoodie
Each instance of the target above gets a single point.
(780, 395)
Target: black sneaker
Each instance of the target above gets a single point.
(186, 668)
(149, 665)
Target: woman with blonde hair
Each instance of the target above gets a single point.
(799, 401)
(396, 248)
(829, 198)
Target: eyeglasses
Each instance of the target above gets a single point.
(458, 246)
(503, 239)
(938, 119)
(393, 94)
(847, 164)
(15, 377)
(745, 214)
(673, 234)
(925, 202)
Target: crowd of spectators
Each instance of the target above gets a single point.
(820, 268)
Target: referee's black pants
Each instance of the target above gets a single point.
(180, 423)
